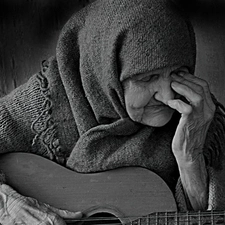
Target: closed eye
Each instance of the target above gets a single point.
(181, 69)
(149, 78)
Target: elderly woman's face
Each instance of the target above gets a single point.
(146, 96)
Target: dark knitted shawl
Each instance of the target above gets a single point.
(101, 46)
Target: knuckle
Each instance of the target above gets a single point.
(209, 115)
(57, 220)
(46, 206)
(200, 89)
(65, 211)
(31, 200)
(198, 99)
(213, 108)
(209, 118)
(188, 110)
(53, 218)
(205, 84)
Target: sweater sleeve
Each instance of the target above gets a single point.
(36, 117)
(18, 111)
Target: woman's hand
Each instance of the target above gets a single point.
(17, 209)
(197, 111)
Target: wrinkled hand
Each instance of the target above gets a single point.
(196, 115)
(17, 209)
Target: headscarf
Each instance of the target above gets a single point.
(101, 46)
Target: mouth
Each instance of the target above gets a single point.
(158, 107)
(182, 98)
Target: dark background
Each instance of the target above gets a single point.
(29, 31)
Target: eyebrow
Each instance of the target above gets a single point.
(142, 75)
(157, 72)
(181, 68)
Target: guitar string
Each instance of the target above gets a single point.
(97, 223)
(102, 223)
(209, 222)
(184, 218)
(165, 215)
(152, 220)
(157, 222)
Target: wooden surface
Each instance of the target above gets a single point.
(128, 193)
(29, 31)
(121, 195)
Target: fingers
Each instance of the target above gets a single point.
(4, 188)
(52, 219)
(192, 82)
(196, 91)
(53, 215)
(66, 214)
(56, 216)
(197, 85)
(180, 106)
(194, 98)
(27, 210)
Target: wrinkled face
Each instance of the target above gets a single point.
(146, 96)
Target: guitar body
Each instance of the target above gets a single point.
(126, 193)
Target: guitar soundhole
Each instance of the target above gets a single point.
(102, 218)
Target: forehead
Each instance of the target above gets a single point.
(164, 70)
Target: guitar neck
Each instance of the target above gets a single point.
(184, 218)
(167, 218)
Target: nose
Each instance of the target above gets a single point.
(163, 91)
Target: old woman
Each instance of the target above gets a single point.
(121, 91)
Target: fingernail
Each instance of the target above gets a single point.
(174, 83)
(79, 214)
(174, 75)
(181, 73)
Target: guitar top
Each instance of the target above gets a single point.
(128, 194)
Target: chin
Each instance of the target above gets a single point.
(159, 120)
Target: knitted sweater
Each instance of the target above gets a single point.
(73, 111)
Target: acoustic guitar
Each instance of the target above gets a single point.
(129, 195)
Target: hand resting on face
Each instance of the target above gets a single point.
(152, 98)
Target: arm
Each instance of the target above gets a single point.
(16, 115)
(18, 112)
(212, 164)
(194, 178)
(18, 209)
(190, 136)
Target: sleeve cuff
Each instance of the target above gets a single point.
(2, 178)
